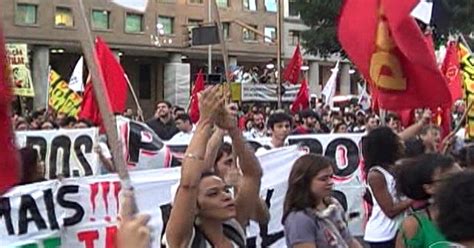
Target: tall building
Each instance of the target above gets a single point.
(319, 68)
(149, 45)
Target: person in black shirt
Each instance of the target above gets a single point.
(162, 123)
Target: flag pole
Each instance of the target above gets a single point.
(465, 42)
(90, 56)
(279, 45)
(135, 98)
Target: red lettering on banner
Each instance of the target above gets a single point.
(94, 190)
(111, 233)
(105, 193)
(106, 189)
(88, 238)
(117, 188)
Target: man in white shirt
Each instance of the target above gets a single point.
(185, 126)
(280, 125)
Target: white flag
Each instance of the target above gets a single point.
(364, 97)
(423, 11)
(138, 5)
(330, 88)
(75, 82)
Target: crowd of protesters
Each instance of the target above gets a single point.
(418, 197)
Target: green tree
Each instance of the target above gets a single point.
(321, 18)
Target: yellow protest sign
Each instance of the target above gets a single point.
(20, 69)
(467, 65)
(61, 98)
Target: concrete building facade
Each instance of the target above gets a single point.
(144, 42)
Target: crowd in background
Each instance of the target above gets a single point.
(406, 157)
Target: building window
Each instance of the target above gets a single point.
(249, 35)
(167, 24)
(64, 17)
(271, 6)
(101, 19)
(194, 23)
(26, 14)
(196, 1)
(293, 11)
(144, 84)
(222, 3)
(271, 32)
(226, 27)
(294, 37)
(167, 1)
(134, 23)
(250, 5)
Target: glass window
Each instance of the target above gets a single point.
(101, 19)
(167, 24)
(64, 17)
(271, 32)
(196, 1)
(250, 5)
(26, 14)
(294, 37)
(223, 3)
(271, 5)
(144, 84)
(134, 23)
(292, 8)
(226, 27)
(248, 34)
(194, 22)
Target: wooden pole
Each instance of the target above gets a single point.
(279, 45)
(90, 57)
(135, 99)
(220, 28)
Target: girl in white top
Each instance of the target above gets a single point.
(381, 148)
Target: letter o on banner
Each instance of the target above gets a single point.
(313, 145)
(345, 153)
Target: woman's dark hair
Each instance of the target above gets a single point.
(339, 125)
(381, 147)
(411, 174)
(299, 196)
(414, 147)
(225, 148)
(465, 156)
(455, 201)
(29, 162)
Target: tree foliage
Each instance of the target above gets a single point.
(321, 18)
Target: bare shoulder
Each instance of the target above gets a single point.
(409, 227)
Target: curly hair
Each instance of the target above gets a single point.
(381, 147)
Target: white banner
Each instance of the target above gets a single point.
(268, 92)
(69, 152)
(80, 211)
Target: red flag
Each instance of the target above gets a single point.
(194, 106)
(442, 118)
(451, 69)
(115, 85)
(292, 70)
(9, 165)
(302, 98)
(390, 50)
